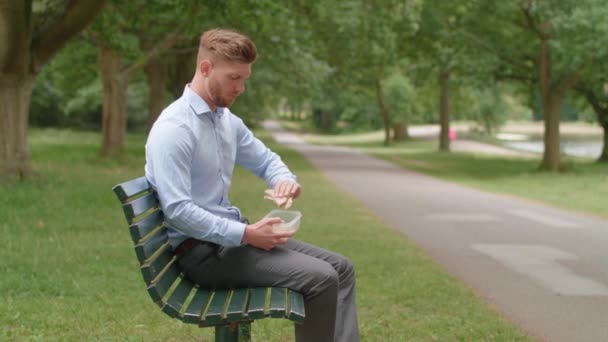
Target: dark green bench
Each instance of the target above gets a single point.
(230, 311)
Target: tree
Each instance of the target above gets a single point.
(71, 87)
(121, 53)
(403, 102)
(360, 44)
(438, 48)
(288, 69)
(490, 108)
(31, 33)
(594, 88)
(548, 44)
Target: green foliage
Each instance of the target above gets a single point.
(45, 108)
(325, 56)
(67, 91)
(402, 99)
(86, 99)
(286, 67)
(491, 109)
(129, 26)
(577, 32)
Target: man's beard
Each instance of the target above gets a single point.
(220, 99)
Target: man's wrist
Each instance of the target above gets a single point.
(245, 238)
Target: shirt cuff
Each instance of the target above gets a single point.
(234, 233)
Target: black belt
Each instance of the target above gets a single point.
(187, 245)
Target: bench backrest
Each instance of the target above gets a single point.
(170, 290)
(157, 261)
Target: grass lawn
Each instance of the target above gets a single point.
(69, 271)
(582, 187)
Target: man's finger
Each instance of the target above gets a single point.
(295, 188)
(283, 189)
(285, 233)
(291, 188)
(287, 204)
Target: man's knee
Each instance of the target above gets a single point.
(345, 269)
(323, 278)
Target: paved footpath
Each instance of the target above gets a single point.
(545, 269)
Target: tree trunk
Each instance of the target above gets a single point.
(15, 95)
(601, 111)
(325, 123)
(444, 110)
(24, 50)
(602, 117)
(384, 114)
(157, 76)
(114, 119)
(182, 71)
(551, 111)
(603, 158)
(400, 131)
(552, 153)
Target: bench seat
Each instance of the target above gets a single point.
(230, 311)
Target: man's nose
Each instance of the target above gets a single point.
(240, 88)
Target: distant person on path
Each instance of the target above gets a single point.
(190, 156)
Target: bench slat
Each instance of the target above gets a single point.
(257, 303)
(177, 298)
(159, 288)
(142, 228)
(195, 309)
(296, 307)
(146, 249)
(152, 269)
(216, 310)
(131, 188)
(277, 302)
(139, 206)
(237, 309)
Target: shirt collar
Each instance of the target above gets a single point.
(198, 104)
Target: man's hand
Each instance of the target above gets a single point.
(262, 235)
(287, 188)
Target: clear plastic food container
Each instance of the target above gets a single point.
(291, 219)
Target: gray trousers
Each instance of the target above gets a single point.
(326, 280)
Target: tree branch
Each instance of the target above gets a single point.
(169, 41)
(15, 34)
(489, 48)
(571, 79)
(78, 14)
(530, 21)
(592, 99)
(154, 52)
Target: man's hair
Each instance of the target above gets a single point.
(228, 45)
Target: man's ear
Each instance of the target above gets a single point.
(205, 67)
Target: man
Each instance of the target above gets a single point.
(190, 155)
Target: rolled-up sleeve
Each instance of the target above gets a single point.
(169, 153)
(255, 156)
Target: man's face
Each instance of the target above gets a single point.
(227, 81)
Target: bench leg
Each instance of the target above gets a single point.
(234, 332)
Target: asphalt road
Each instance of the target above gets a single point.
(543, 268)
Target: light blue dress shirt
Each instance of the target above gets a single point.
(190, 157)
